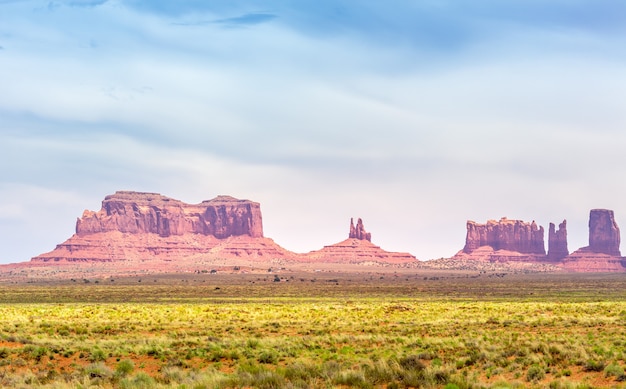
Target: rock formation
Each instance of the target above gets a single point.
(145, 226)
(604, 234)
(510, 235)
(136, 213)
(149, 231)
(359, 232)
(557, 242)
(358, 248)
(602, 254)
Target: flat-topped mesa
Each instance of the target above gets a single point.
(557, 242)
(137, 213)
(604, 235)
(358, 231)
(511, 235)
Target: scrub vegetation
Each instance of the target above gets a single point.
(326, 332)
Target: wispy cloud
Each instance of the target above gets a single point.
(245, 20)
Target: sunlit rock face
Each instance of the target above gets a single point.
(505, 234)
(137, 213)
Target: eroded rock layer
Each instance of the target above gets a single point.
(354, 250)
(510, 235)
(584, 260)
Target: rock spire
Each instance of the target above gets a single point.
(557, 242)
(358, 231)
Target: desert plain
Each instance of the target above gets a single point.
(291, 328)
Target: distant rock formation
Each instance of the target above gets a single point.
(557, 242)
(141, 229)
(136, 213)
(359, 232)
(358, 248)
(602, 254)
(604, 235)
(136, 226)
(510, 235)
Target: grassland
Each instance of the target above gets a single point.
(316, 331)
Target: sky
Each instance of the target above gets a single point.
(413, 115)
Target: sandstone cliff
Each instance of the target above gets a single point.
(136, 213)
(510, 235)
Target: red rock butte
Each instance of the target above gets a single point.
(511, 235)
(148, 227)
(145, 226)
(517, 241)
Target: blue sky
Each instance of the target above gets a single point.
(415, 116)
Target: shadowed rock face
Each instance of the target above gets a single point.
(359, 232)
(140, 213)
(604, 235)
(512, 235)
(557, 242)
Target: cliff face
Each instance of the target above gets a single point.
(151, 213)
(511, 235)
(557, 242)
(604, 235)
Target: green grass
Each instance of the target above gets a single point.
(538, 331)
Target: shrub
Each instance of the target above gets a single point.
(97, 370)
(379, 372)
(352, 378)
(268, 357)
(412, 362)
(593, 365)
(97, 355)
(139, 381)
(535, 373)
(125, 367)
(614, 370)
(172, 375)
(301, 371)
(437, 375)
